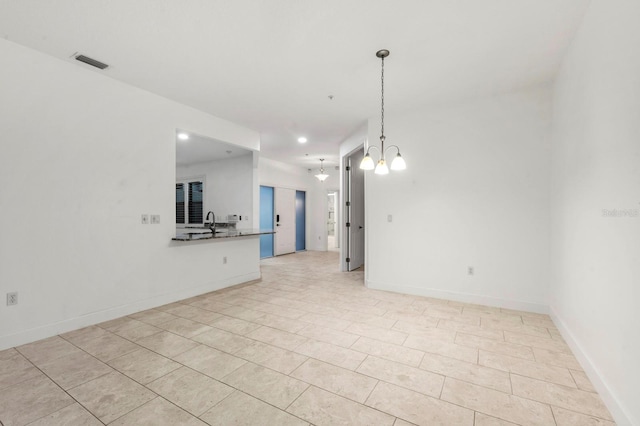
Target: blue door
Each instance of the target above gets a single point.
(300, 221)
(266, 221)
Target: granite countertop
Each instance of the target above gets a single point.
(204, 234)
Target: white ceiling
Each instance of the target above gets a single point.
(201, 149)
(270, 65)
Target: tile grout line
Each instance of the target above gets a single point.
(60, 387)
(364, 404)
(132, 379)
(360, 365)
(309, 386)
(146, 387)
(142, 405)
(186, 366)
(553, 405)
(553, 415)
(442, 388)
(251, 396)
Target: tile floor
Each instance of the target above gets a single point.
(305, 345)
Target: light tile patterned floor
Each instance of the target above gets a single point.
(305, 345)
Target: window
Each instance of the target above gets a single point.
(179, 202)
(190, 201)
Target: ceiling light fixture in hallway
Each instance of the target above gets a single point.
(322, 176)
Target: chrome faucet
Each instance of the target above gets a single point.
(211, 224)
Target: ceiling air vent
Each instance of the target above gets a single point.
(91, 61)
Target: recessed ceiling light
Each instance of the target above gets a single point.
(302, 139)
(183, 136)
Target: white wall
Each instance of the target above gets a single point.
(83, 157)
(596, 166)
(229, 187)
(475, 194)
(277, 174)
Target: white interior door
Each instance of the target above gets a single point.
(285, 207)
(356, 212)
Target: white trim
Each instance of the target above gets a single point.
(617, 410)
(461, 297)
(37, 333)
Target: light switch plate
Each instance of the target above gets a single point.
(12, 298)
(155, 219)
(145, 219)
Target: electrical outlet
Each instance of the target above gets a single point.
(155, 219)
(470, 270)
(12, 298)
(144, 219)
(224, 260)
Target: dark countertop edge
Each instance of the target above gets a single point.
(236, 234)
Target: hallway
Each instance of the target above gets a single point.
(306, 344)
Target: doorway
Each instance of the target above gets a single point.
(333, 234)
(284, 211)
(266, 221)
(301, 223)
(354, 230)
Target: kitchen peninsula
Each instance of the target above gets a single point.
(219, 234)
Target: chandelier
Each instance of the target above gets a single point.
(322, 176)
(381, 167)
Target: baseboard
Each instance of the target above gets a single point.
(53, 329)
(461, 297)
(617, 410)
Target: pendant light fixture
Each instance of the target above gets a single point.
(322, 176)
(367, 162)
